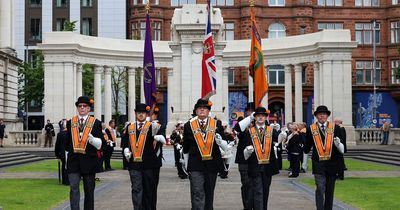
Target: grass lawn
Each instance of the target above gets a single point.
(366, 193)
(50, 166)
(32, 193)
(355, 165)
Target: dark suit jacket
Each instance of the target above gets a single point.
(83, 163)
(195, 162)
(326, 167)
(59, 147)
(150, 160)
(243, 142)
(254, 168)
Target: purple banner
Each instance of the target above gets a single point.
(149, 72)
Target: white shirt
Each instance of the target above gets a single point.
(325, 124)
(84, 118)
(205, 121)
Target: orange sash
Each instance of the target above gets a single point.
(324, 151)
(206, 144)
(263, 154)
(137, 146)
(80, 140)
(113, 138)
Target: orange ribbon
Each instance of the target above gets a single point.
(80, 140)
(263, 153)
(205, 144)
(324, 151)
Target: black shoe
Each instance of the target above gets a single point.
(293, 176)
(302, 171)
(1, 146)
(183, 176)
(97, 179)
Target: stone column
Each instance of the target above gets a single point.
(298, 93)
(225, 93)
(79, 70)
(316, 84)
(131, 93)
(326, 84)
(6, 23)
(288, 94)
(251, 89)
(141, 73)
(97, 91)
(107, 94)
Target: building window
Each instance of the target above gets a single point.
(221, 2)
(87, 3)
(276, 75)
(395, 32)
(231, 76)
(229, 31)
(276, 3)
(36, 29)
(364, 72)
(156, 30)
(367, 3)
(61, 3)
(276, 30)
(322, 26)
(175, 3)
(330, 2)
(395, 65)
(87, 26)
(364, 33)
(60, 24)
(395, 2)
(35, 3)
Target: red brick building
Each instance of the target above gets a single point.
(278, 18)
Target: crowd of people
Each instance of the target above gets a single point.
(203, 150)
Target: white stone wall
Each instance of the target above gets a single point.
(19, 28)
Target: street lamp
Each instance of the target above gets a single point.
(374, 70)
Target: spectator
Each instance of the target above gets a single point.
(2, 131)
(385, 128)
(49, 134)
(59, 150)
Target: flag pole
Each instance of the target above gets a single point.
(254, 92)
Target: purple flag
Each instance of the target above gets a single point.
(149, 72)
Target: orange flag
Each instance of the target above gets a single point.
(256, 65)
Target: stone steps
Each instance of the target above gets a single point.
(17, 158)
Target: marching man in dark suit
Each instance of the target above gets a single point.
(140, 143)
(260, 155)
(84, 138)
(324, 137)
(203, 136)
(111, 139)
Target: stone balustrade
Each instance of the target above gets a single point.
(375, 136)
(26, 138)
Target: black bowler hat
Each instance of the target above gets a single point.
(203, 103)
(250, 106)
(84, 100)
(260, 110)
(322, 109)
(142, 108)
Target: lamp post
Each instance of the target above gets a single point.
(374, 69)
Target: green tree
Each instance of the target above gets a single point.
(31, 81)
(70, 26)
(88, 80)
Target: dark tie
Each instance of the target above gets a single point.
(323, 127)
(261, 129)
(81, 124)
(323, 134)
(202, 124)
(140, 126)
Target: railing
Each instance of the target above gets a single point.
(26, 138)
(375, 136)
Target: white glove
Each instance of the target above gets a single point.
(221, 143)
(127, 154)
(231, 144)
(178, 146)
(186, 160)
(248, 151)
(338, 144)
(282, 136)
(160, 138)
(276, 152)
(246, 122)
(96, 142)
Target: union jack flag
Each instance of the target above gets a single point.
(209, 77)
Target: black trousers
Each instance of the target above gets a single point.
(202, 185)
(88, 187)
(64, 174)
(178, 164)
(295, 164)
(246, 187)
(124, 161)
(260, 185)
(324, 192)
(144, 188)
(279, 160)
(107, 157)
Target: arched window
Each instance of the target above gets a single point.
(276, 30)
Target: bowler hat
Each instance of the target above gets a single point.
(142, 108)
(260, 110)
(322, 109)
(83, 100)
(203, 103)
